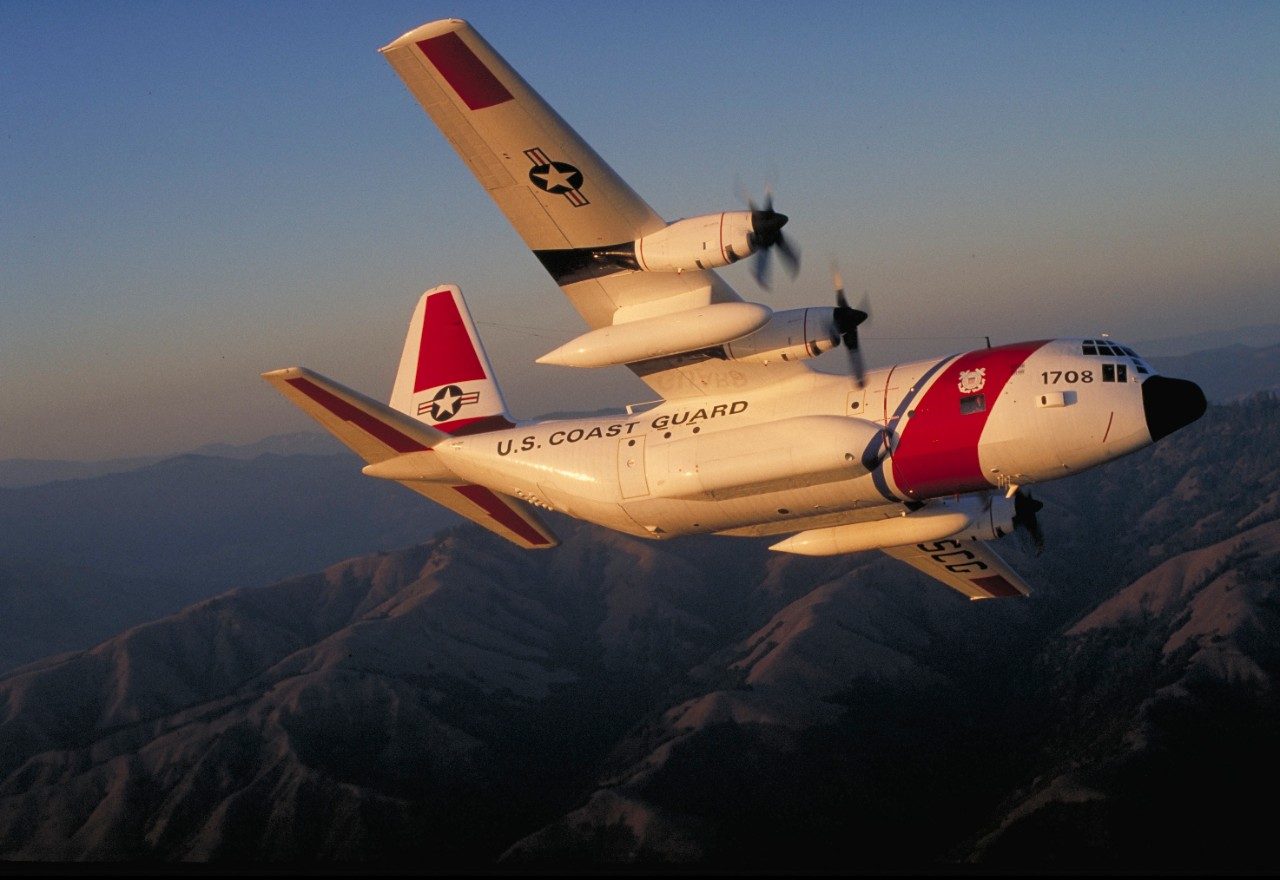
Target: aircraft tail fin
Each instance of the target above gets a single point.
(445, 379)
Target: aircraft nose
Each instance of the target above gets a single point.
(1170, 404)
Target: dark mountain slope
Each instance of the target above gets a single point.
(1165, 751)
(698, 701)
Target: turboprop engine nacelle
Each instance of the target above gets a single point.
(706, 242)
(969, 518)
(790, 335)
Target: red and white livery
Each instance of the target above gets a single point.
(927, 461)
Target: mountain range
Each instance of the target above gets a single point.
(461, 704)
(82, 559)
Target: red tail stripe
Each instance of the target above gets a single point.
(361, 419)
(466, 74)
(500, 511)
(446, 353)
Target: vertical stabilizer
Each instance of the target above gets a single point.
(445, 378)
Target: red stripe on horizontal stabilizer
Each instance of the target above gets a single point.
(475, 84)
(358, 417)
(445, 353)
(500, 511)
(996, 585)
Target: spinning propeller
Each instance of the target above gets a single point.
(847, 320)
(1025, 509)
(766, 230)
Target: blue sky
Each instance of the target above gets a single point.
(191, 194)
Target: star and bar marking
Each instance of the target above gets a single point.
(447, 401)
(557, 178)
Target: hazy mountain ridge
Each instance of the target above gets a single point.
(1227, 374)
(22, 472)
(153, 540)
(695, 701)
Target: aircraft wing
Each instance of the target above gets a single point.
(565, 202)
(969, 567)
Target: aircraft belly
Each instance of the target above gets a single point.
(685, 516)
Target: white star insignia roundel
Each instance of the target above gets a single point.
(556, 177)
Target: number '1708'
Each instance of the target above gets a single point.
(1053, 377)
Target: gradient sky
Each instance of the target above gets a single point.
(191, 194)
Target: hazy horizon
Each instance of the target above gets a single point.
(196, 194)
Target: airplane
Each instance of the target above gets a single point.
(926, 461)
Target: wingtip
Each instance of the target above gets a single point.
(282, 374)
(426, 31)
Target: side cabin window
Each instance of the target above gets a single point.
(1115, 373)
(974, 403)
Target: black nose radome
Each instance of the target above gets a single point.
(1170, 404)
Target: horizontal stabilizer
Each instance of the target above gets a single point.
(397, 445)
(503, 515)
(374, 431)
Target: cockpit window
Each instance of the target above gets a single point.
(1115, 373)
(1107, 348)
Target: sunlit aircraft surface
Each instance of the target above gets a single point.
(925, 460)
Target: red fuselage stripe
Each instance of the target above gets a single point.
(474, 83)
(500, 511)
(937, 452)
(369, 424)
(446, 353)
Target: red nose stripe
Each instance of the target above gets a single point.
(446, 354)
(498, 509)
(362, 420)
(466, 74)
(937, 453)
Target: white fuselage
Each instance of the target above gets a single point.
(816, 450)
